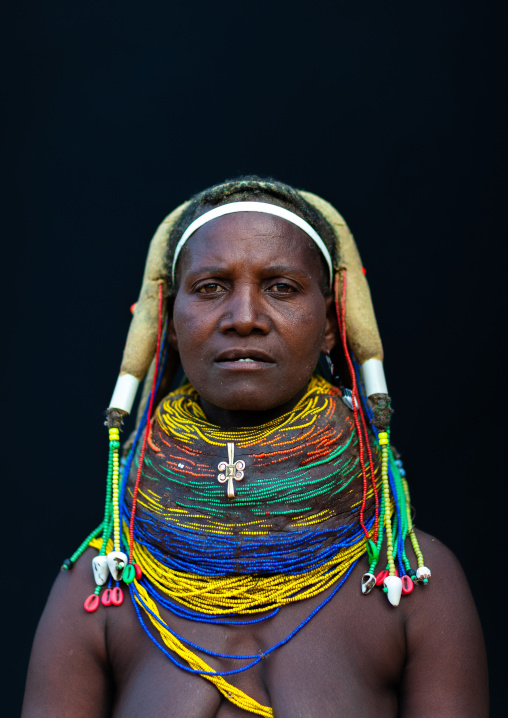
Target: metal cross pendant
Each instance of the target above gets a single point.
(233, 470)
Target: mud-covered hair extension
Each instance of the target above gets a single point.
(250, 187)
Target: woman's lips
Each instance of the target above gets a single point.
(244, 364)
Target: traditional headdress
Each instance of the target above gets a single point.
(360, 322)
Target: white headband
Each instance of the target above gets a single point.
(252, 207)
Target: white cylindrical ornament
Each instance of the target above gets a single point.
(125, 393)
(373, 376)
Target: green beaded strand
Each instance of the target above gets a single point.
(82, 547)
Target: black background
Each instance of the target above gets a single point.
(115, 113)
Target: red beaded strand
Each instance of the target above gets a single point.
(372, 478)
(145, 436)
(364, 426)
(341, 316)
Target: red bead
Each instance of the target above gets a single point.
(364, 270)
(91, 603)
(116, 596)
(133, 307)
(106, 597)
(380, 577)
(138, 571)
(407, 585)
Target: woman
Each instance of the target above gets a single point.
(261, 498)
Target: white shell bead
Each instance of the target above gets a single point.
(100, 569)
(117, 561)
(423, 572)
(394, 586)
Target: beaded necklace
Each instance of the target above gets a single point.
(201, 558)
(176, 537)
(182, 432)
(185, 550)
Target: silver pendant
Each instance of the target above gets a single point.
(233, 470)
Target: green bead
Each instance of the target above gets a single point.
(372, 552)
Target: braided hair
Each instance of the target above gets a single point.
(249, 187)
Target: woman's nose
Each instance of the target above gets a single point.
(245, 312)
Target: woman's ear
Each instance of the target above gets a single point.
(331, 332)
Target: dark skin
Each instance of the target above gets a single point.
(359, 656)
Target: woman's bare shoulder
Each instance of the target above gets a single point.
(68, 672)
(446, 669)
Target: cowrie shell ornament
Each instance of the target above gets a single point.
(117, 561)
(100, 569)
(347, 398)
(368, 583)
(394, 586)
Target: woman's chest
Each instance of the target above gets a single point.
(348, 657)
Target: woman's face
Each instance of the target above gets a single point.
(250, 318)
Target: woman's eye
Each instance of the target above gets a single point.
(282, 288)
(211, 288)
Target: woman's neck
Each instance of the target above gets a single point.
(228, 419)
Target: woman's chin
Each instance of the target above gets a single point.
(248, 407)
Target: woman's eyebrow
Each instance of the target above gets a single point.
(275, 269)
(271, 270)
(210, 268)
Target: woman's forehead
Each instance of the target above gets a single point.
(254, 234)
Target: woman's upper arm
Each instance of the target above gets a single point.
(68, 673)
(445, 675)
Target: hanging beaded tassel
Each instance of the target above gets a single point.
(393, 514)
(394, 486)
(392, 583)
(100, 565)
(116, 559)
(116, 565)
(110, 565)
